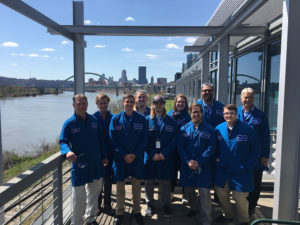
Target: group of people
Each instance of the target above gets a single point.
(212, 145)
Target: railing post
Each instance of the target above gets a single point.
(57, 195)
(1, 172)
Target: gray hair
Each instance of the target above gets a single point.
(247, 90)
(207, 84)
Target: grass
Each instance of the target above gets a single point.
(23, 163)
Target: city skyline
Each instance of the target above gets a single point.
(27, 50)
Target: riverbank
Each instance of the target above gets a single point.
(12, 91)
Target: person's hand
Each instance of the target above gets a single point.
(105, 162)
(129, 158)
(156, 157)
(161, 156)
(264, 161)
(71, 156)
(193, 164)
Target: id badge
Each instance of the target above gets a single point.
(157, 144)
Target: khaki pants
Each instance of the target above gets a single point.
(241, 202)
(136, 196)
(85, 201)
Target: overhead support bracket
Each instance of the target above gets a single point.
(201, 48)
(38, 17)
(244, 12)
(205, 31)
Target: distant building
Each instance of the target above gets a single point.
(161, 80)
(152, 80)
(142, 75)
(123, 79)
(91, 81)
(177, 76)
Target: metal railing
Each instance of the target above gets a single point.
(270, 221)
(40, 195)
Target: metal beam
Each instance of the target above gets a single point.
(38, 17)
(78, 49)
(244, 12)
(161, 30)
(286, 188)
(201, 48)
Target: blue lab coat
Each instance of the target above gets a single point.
(259, 122)
(236, 156)
(83, 138)
(128, 138)
(198, 145)
(181, 118)
(216, 116)
(104, 124)
(166, 134)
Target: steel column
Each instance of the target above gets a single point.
(205, 68)
(58, 195)
(222, 77)
(78, 47)
(286, 189)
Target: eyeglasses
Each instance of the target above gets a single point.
(207, 90)
(80, 161)
(229, 113)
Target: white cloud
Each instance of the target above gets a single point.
(65, 43)
(14, 64)
(45, 56)
(33, 55)
(127, 49)
(171, 45)
(151, 56)
(99, 46)
(62, 58)
(87, 22)
(10, 44)
(48, 50)
(21, 54)
(190, 40)
(13, 54)
(129, 18)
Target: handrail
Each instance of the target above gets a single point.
(274, 221)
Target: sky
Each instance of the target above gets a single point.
(27, 50)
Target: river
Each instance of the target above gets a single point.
(27, 122)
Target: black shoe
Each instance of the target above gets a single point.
(139, 218)
(191, 213)
(93, 223)
(149, 210)
(251, 212)
(222, 219)
(167, 211)
(118, 220)
(108, 210)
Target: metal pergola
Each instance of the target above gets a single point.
(286, 191)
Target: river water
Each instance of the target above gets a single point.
(28, 122)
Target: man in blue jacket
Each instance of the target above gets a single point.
(196, 146)
(159, 157)
(249, 114)
(81, 143)
(212, 109)
(129, 135)
(104, 117)
(238, 150)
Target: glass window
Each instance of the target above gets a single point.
(273, 84)
(249, 72)
(213, 80)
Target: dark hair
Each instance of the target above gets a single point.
(196, 105)
(101, 97)
(186, 102)
(128, 96)
(230, 107)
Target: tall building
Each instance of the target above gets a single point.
(162, 80)
(152, 80)
(142, 75)
(123, 79)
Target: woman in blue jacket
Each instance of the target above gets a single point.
(181, 115)
(255, 118)
(196, 146)
(104, 117)
(159, 160)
